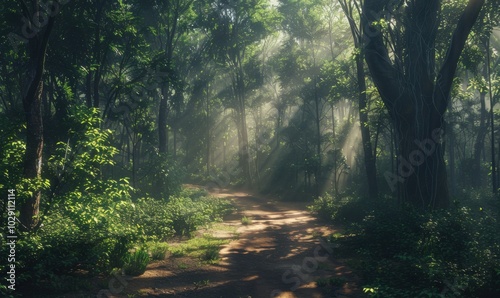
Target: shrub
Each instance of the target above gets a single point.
(152, 218)
(159, 252)
(81, 216)
(211, 254)
(246, 220)
(340, 209)
(187, 214)
(136, 262)
(162, 176)
(405, 253)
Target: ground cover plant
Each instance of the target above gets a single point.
(403, 252)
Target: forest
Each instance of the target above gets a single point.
(365, 133)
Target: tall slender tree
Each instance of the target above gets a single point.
(235, 27)
(350, 8)
(39, 24)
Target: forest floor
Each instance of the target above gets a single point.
(279, 254)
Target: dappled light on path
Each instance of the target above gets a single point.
(278, 254)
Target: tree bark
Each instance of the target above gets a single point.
(481, 135)
(32, 104)
(370, 160)
(415, 98)
(241, 125)
(494, 182)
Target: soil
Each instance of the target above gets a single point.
(279, 254)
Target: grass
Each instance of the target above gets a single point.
(316, 234)
(211, 255)
(205, 248)
(159, 251)
(332, 281)
(201, 283)
(136, 262)
(246, 220)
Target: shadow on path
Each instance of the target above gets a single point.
(280, 254)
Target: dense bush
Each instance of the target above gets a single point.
(402, 252)
(187, 214)
(152, 219)
(80, 228)
(161, 176)
(340, 209)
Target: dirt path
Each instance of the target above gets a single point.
(279, 254)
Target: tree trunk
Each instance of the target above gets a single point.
(492, 121)
(479, 142)
(88, 89)
(97, 53)
(318, 174)
(422, 170)
(243, 153)
(241, 125)
(370, 160)
(451, 159)
(208, 135)
(32, 104)
(415, 98)
(162, 120)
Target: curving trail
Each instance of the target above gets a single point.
(280, 254)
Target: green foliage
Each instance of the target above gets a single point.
(340, 208)
(206, 248)
(332, 281)
(211, 254)
(162, 177)
(201, 283)
(152, 218)
(136, 262)
(81, 227)
(405, 253)
(159, 252)
(11, 153)
(188, 214)
(159, 220)
(246, 220)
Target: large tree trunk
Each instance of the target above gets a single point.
(415, 97)
(421, 169)
(32, 104)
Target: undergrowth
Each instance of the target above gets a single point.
(402, 252)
